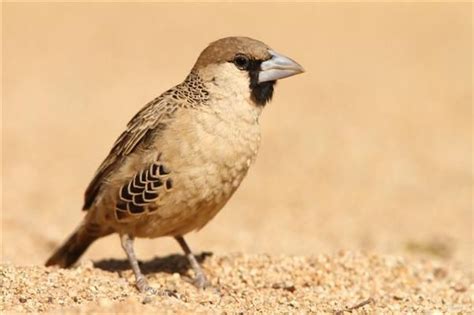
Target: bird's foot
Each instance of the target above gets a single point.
(150, 292)
(143, 286)
(201, 282)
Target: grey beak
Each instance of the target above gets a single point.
(278, 67)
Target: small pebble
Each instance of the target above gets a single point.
(248, 284)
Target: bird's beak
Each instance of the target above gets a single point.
(278, 67)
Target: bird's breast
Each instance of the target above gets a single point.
(209, 155)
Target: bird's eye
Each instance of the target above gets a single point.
(242, 62)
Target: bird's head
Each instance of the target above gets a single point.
(244, 67)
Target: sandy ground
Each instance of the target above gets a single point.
(346, 282)
(370, 150)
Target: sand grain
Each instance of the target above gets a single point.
(245, 283)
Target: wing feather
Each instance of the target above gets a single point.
(144, 125)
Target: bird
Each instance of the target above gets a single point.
(183, 155)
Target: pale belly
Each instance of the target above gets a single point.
(207, 165)
(194, 203)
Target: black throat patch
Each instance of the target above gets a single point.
(261, 93)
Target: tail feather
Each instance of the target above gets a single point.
(74, 247)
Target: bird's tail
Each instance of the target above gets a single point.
(75, 245)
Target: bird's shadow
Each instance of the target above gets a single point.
(168, 264)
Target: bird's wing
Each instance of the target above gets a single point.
(140, 130)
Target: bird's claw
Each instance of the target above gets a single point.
(144, 287)
(201, 281)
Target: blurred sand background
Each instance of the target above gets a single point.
(370, 149)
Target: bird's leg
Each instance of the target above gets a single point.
(140, 280)
(200, 281)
